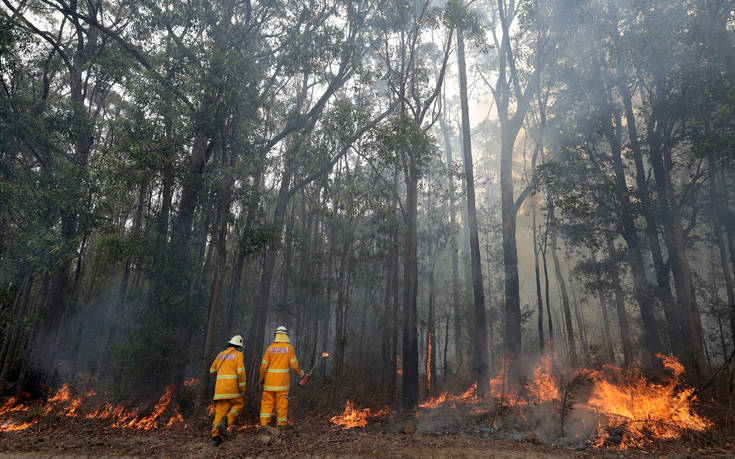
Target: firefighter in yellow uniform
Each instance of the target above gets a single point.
(229, 391)
(278, 360)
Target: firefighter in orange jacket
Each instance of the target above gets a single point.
(279, 358)
(229, 391)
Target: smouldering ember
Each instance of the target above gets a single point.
(352, 417)
(640, 409)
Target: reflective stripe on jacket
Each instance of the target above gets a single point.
(278, 359)
(229, 366)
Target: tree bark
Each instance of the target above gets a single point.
(480, 358)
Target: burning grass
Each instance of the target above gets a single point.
(351, 417)
(639, 410)
(609, 407)
(16, 415)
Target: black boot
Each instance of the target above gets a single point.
(217, 440)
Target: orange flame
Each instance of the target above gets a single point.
(10, 426)
(64, 404)
(429, 340)
(11, 405)
(543, 385)
(642, 409)
(149, 422)
(352, 417)
(469, 396)
(325, 354)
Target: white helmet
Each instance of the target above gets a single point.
(282, 329)
(236, 340)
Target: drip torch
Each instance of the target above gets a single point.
(305, 379)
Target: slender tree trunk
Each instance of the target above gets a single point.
(430, 338)
(546, 289)
(256, 332)
(562, 289)
(340, 306)
(539, 299)
(453, 243)
(480, 357)
(410, 360)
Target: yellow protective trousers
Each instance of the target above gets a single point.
(280, 399)
(229, 407)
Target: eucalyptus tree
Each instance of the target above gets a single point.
(522, 34)
(87, 71)
(415, 91)
(465, 20)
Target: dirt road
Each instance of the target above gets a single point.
(70, 437)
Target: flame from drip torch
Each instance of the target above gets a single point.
(325, 354)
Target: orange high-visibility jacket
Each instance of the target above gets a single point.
(230, 369)
(274, 368)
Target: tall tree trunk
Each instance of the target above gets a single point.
(546, 286)
(453, 242)
(221, 245)
(480, 357)
(340, 305)
(410, 355)
(661, 122)
(431, 337)
(256, 332)
(651, 339)
(539, 299)
(673, 319)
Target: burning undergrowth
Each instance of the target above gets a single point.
(18, 415)
(609, 407)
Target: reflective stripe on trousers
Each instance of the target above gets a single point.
(269, 399)
(229, 407)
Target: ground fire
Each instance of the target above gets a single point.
(371, 227)
(64, 404)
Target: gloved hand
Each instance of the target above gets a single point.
(302, 373)
(262, 381)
